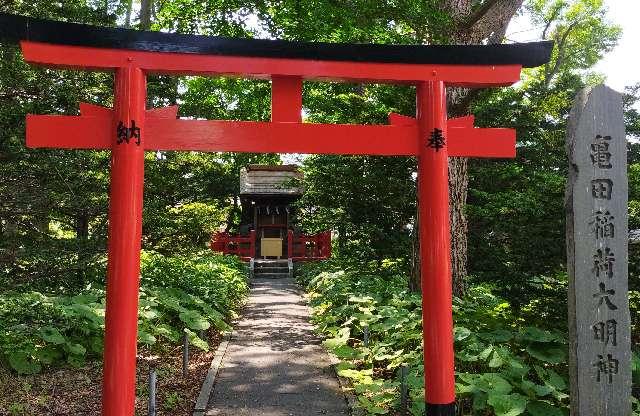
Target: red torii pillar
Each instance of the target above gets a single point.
(130, 129)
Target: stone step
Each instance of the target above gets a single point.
(265, 269)
(271, 263)
(271, 275)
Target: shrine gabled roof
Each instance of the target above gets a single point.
(17, 28)
(270, 180)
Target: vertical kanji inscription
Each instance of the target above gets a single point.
(599, 328)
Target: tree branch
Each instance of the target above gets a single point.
(561, 45)
(478, 14)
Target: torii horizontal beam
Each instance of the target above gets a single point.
(169, 133)
(71, 45)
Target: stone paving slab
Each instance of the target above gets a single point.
(274, 364)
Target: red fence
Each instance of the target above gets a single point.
(244, 247)
(309, 247)
(301, 247)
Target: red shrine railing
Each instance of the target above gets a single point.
(299, 247)
(309, 247)
(243, 247)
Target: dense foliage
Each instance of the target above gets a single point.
(178, 295)
(504, 365)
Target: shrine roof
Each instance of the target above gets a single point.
(273, 168)
(17, 28)
(270, 180)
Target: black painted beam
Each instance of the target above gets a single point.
(16, 28)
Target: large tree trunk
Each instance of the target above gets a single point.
(145, 14)
(486, 22)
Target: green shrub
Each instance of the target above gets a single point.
(503, 366)
(177, 295)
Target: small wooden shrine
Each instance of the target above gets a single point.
(267, 195)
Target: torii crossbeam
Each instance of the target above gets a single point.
(129, 129)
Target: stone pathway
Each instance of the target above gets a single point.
(274, 365)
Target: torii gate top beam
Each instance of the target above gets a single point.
(73, 45)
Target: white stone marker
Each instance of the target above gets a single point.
(597, 256)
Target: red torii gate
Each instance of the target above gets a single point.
(129, 129)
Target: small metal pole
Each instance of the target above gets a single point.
(185, 355)
(366, 336)
(404, 393)
(152, 391)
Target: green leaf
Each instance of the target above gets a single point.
(75, 349)
(493, 383)
(507, 405)
(460, 333)
(76, 360)
(48, 355)
(345, 352)
(167, 332)
(341, 339)
(96, 344)
(23, 363)
(196, 341)
(486, 352)
(555, 380)
(496, 360)
(146, 338)
(501, 335)
(530, 333)
(360, 299)
(149, 313)
(540, 408)
(52, 335)
(535, 390)
(547, 353)
(194, 320)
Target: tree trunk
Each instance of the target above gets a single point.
(145, 14)
(458, 184)
(127, 18)
(82, 236)
(415, 284)
(486, 22)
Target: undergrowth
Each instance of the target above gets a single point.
(503, 366)
(183, 294)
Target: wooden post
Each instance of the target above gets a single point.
(597, 238)
(433, 203)
(125, 229)
(252, 244)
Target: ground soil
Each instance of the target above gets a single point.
(77, 391)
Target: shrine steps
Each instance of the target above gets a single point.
(271, 269)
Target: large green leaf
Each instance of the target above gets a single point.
(507, 404)
(23, 363)
(194, 320)
(52, 335)
(460, 333)
(167, 332)
(547, 353)
(75, 348)
(146, 338)
(341, 339)
(493, 383)
(540, 408)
